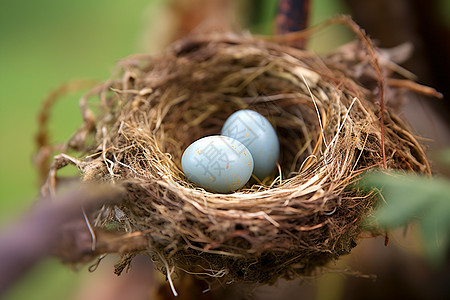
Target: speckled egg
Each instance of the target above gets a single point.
(254, 131)
(217, 163)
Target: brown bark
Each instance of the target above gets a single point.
(38, 233)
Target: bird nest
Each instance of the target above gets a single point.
(331, 125)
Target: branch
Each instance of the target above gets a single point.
(39, 233)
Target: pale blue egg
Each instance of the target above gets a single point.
(217, 163)
(258, 135)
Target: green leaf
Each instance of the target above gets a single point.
(406, 197)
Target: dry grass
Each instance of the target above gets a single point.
(325, 112)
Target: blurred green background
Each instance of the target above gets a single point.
(42, 45)
(46, 43)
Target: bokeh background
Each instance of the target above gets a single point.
(47, 43)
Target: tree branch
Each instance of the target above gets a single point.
(39, 233)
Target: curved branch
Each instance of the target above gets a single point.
(39, 233)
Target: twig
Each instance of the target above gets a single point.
(348, 21)
(415, 87)
(42, 139)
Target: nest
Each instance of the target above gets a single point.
(326, 112)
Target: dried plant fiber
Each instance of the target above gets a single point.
(326, 112)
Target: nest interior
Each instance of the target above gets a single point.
(326, 115)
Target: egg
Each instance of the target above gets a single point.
(254, 131)
(217, 163)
